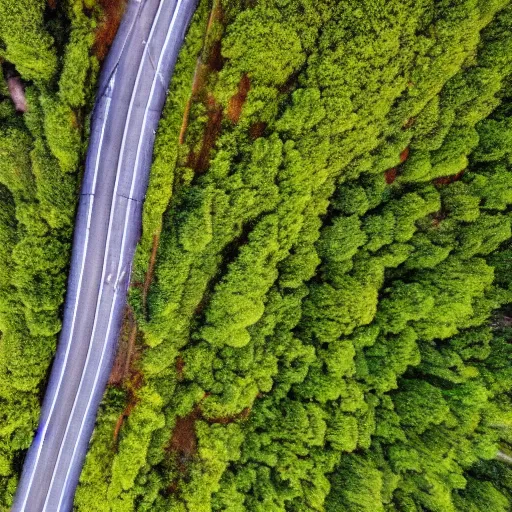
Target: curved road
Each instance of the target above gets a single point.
(131, 93)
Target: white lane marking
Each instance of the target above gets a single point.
(128, 117)
(121, 51)
(107, 109)
(75, 308)
(144, 121)
(96, 377)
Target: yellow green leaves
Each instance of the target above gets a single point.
(259, 44)
(305, 112)
(15, 171)
(420, 405)
(62, 135)
(320, 305)
(28, 45)
(238, 301)
(196, 230)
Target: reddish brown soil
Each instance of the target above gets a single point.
(121, 419)
(151, 269)
(215, 59)
(107, 28)
(172, 487)
(446, 180)
(184, 439)
(183, 443)
(124, 372)
(124, 350)
(200, 162)
(289, 85)
(257, 130)
(130, 353)
(180, 366)
(202, 304)
(52, 4)
(215, 14)
(237, 101)
(75, 121)
(390, 175)
(214, 120)
(212, 62)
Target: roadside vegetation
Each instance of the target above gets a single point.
(320, 312)
(47, 61)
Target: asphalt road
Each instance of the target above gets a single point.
(130, 98)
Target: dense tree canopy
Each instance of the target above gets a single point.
(322, 289)
(39, 165)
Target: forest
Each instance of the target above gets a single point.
(320, 312)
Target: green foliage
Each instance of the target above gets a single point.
(318, 324)
(27, 44)
(62, 139)
(259, 37)
(326, 327)
(37, 207)
(304, 304)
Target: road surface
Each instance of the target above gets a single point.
(130, 98)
